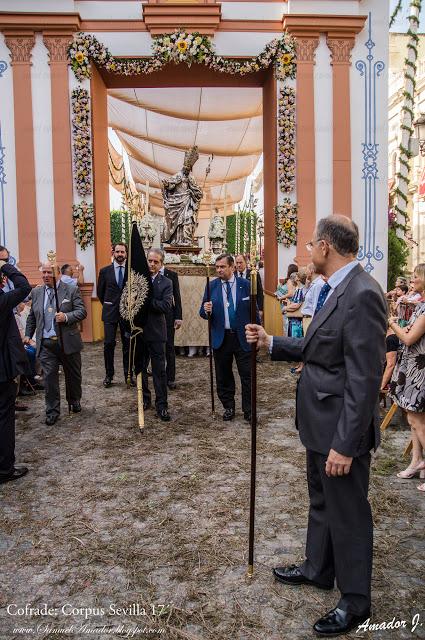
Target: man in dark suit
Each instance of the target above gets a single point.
(174, 321)
(44, 319)
(109, 288)
(338, 421)
(155, 336)
(242, 271)
(229, 307)
(13, 362)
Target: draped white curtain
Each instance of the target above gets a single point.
(156, 126)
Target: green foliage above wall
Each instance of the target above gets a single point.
(398, 253)
(247, 219)
(120, 226)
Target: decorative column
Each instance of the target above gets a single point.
(340, 48)
(305, 145)
(61, 146)
(20, 48)
(270, 181)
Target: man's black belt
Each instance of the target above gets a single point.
(229, 331)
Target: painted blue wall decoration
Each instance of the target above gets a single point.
(370, 70)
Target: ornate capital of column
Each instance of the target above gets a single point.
(20, 48)
(306, 49)
(57, 47)
(340, 49)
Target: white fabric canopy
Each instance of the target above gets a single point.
(156, 126)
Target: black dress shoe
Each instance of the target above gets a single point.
(107, 382)
(146, 405)
(228, 414)
(292, 575)
(171, 385)
(17, 473)
(337, 622)
(247, 416)
(76, 407)
(50, 420)
(164, 415)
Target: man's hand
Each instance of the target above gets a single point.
(337, 464)
(255, 334)
(208, 307)
(60, 317)
(178, 324)
(26, 340)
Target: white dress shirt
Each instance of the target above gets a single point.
(117, 270)
(232, 283)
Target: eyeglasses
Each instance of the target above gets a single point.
(309, 246)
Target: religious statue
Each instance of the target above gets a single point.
(182, 198)
(216, 233)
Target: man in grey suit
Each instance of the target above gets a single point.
(338, 421)
(45, 320)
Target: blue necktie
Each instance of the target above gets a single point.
(120, 277)
(322, 296)
(231, 308)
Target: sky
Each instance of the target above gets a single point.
(401, 23)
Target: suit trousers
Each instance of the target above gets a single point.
(170, 353)
(340, 531)
(155, 352)
(109, 347)
(51, 357)
(7, 426)
(223, 358)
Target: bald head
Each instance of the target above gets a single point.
(340, 232)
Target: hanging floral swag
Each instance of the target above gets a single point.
(80, 101)
(83, 221)
(180, 46)
(286, 220)
(286, 139)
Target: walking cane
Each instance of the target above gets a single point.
(253, 301)
(207, 257)
(51, 256)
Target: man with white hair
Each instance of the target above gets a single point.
(45, 319)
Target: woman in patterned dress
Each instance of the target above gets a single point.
(407, 386)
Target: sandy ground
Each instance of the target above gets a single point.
(108, 518)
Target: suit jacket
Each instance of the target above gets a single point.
(155, 329)
(260, 292)
(109, 294)
(71, 303)
(177, 301)
(343, 351)
(13, 358)
(243, 310)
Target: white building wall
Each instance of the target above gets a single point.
(8, 205)
(369, 126)
(323, 98)
(43, 155)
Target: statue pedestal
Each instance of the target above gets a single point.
(182, 249)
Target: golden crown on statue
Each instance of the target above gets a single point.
(190, 157)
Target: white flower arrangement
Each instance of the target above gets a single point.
(178, 47)
(171, 258)
(286, 140)
(81, 140)
(286, 222)
(83, 222)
